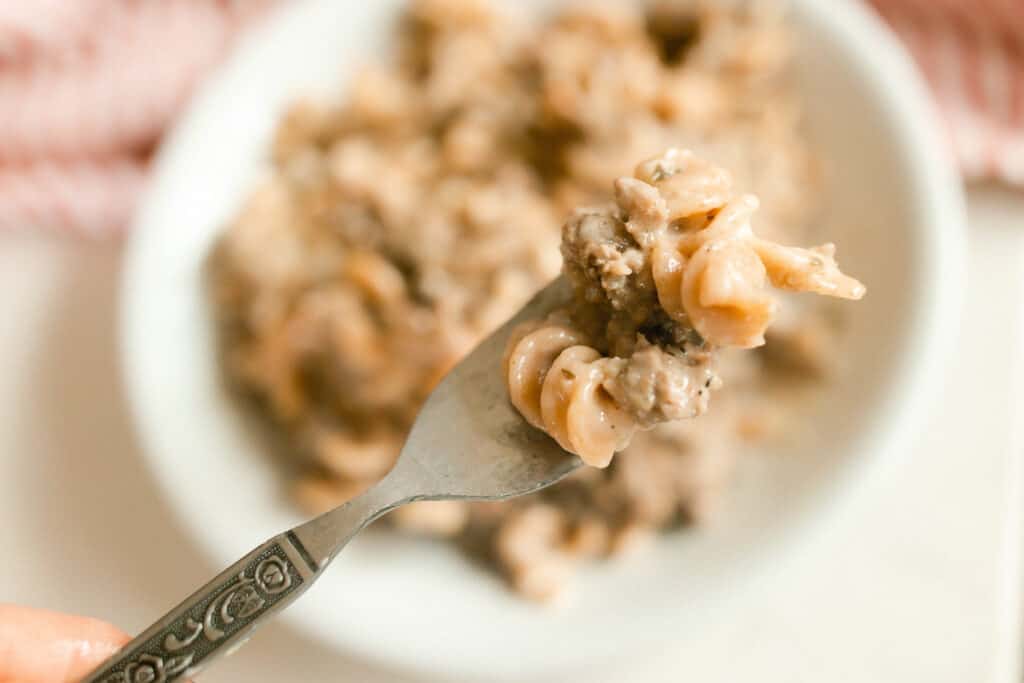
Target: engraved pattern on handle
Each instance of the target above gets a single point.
(224, 611)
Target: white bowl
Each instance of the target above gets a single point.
(896, 210)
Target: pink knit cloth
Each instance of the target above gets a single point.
(86, 89)
(88, 86)
(972, 53)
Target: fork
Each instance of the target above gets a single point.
(468, 443)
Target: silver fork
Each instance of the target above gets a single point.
(468, 442)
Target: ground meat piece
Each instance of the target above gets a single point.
(657, 385)
(603, 262)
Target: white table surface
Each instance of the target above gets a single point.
(919, 583)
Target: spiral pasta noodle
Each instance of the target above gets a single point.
(717, 275)
(555, 382)
(670, 273)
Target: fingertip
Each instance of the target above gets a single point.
(40, 646)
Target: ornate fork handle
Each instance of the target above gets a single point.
(217, 618)
(222, 615)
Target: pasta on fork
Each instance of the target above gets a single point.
(662, 279)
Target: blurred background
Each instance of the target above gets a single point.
(923, 587)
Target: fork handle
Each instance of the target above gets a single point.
(217, 618)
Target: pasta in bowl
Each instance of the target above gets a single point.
(674, 260)
(727, 503)
(402, 223)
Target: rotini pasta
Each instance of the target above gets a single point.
(555, 383)
(664, 277)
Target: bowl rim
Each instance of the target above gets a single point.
(908, 106)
